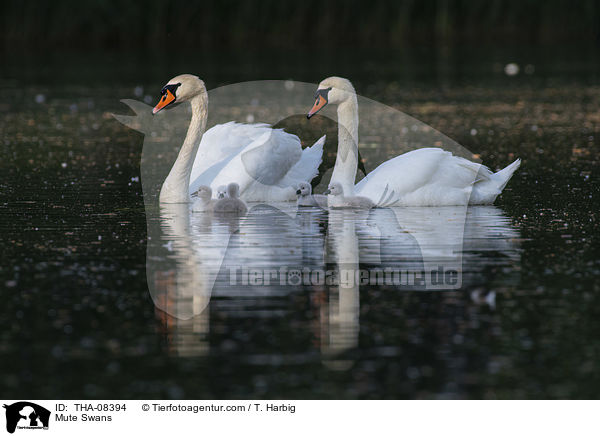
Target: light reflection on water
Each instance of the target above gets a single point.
(199, 265)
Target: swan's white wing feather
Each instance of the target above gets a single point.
(260, 167)
(222, 142)
(269, 158)
(265, 162)
(424, 177)
(433, 177)
(307, 167)
(209, 175)
(401, 175)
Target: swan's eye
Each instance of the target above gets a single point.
(323, 93)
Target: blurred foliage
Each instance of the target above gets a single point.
(176, 24)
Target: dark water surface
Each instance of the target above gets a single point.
(78, 320)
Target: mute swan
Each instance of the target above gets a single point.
(203, 202)
(232, 203)
(339, 200)
(307, 198)
(266, 163)
(424, 177)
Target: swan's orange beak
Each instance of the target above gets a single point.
(164, 101)
(320, 103)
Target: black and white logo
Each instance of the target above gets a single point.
(26, 415)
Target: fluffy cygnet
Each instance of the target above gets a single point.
(339, 200)
(231, 203)
(307, 198)
(221, 192)
(202, 201)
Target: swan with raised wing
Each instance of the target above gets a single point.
(423, 177)
(266, 163)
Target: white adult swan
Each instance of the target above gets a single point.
(266, 163)
(424, 177)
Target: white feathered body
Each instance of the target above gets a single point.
(433, 177)
(266, 163)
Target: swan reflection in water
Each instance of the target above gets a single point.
(246, 264)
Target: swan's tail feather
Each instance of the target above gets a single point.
(503, 176)
(486, 191)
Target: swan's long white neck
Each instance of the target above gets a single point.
(175, 189)
(346, 161)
